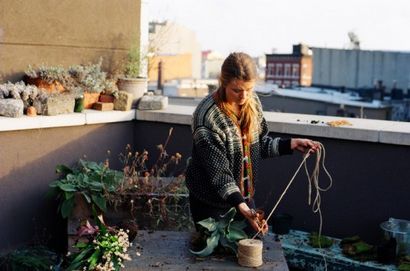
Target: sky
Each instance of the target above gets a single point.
(263, 26)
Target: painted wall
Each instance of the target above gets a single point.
(360, 68)
(370, 180)
(65, 32)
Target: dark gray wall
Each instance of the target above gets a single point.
(278, 103)
(371, 180)
(27, 165)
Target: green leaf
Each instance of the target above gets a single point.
(211, 243)
(68, 195)
(226, 218)
(87, 197)
(67, 207)
(81, 245)
(240, 225)
(228, 244)
(67, 187)
(209, 224)
(236, 234)
(98, 186)
(79, 259)
(63, 169)
(94, 259)
(54, 184)
(100, 202)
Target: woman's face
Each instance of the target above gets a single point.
(238, 91)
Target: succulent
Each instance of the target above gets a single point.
(49, 73)
(27, 93)
(89, 76)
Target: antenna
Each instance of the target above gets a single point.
(354, 40)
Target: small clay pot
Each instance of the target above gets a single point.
(281, 223)
(31, 111)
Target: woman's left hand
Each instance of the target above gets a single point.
(303, 145)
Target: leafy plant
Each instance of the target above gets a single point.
(92, 180)
(224, 231)
(132, 67)
(37, 258)
(106, 248)
(319, 241)
(50, 74)
(355, 248)
(157, 194)
(89, 77)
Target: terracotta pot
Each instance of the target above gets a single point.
(90, 98)
(46, 86)
(31, 111)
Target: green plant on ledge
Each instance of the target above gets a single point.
(132, 67)
(224, 231)
(90, 179)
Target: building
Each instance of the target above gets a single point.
(290, 69)
(318, 101)
(211, 64)
(178, 49)
(360, 68)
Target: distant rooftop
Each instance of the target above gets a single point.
(318, 94)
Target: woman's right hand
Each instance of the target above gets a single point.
(253, 218)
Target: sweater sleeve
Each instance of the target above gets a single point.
(211, 151)
(270, 147)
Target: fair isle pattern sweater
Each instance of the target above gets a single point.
(214, 170)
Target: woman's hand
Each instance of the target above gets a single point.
(258, 224)
(303, 145)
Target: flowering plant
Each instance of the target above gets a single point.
(105, 250)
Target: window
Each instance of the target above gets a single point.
(271, 70)
(287, 70)
(279, 68)
(295, 70)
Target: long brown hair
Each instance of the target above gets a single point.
(238, 66)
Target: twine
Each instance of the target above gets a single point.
(250, 252)
(314, 178)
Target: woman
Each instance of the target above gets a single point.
(230, 136)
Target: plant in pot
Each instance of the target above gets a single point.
(91, 79)
(155, 196)
(133, 80)
(49, 78)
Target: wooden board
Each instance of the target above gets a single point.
(169, 250)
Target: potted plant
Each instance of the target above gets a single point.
(133, 80)
(91, 79)
(49, 78)
(136, 195)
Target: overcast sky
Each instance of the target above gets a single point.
(258, 26)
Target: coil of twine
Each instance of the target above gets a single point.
(250, 252)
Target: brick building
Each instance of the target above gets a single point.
(290, 69)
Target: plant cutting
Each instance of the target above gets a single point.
(106, 248)
(225, 232)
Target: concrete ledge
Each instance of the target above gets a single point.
(26, 123)
(178, 114)
(94, 116)
(388, 132)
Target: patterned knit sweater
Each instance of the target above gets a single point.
(214, 170)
